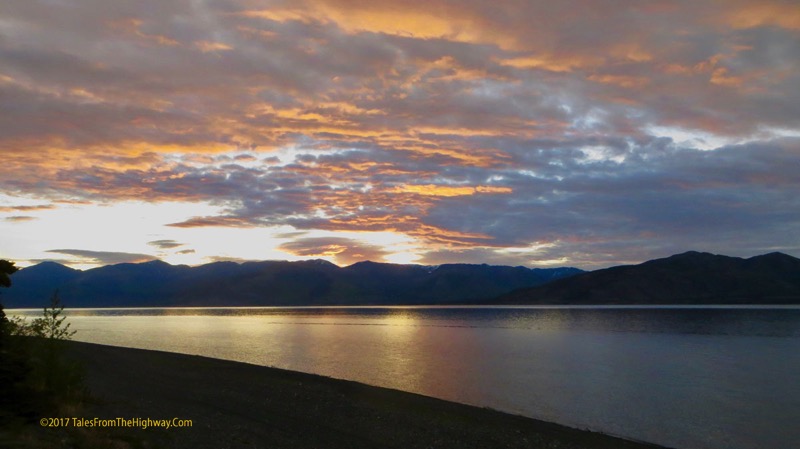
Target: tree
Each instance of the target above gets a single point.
(50, 370)
(51, 324)
(6, 270)
(34, 373)
(14, 367)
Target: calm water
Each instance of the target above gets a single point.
(687, 378)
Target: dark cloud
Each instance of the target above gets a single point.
(65, 262)
(103, 257)
(228, 259)
(165, 244)
(491, 256)
(290, 235)
(651, 206)
(18, 218)
(204, 222)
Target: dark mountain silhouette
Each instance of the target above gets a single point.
(312, 282)
(39, 281)
(688, 278)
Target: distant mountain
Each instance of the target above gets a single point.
(312, 282)
(688, 278)
(39, 281)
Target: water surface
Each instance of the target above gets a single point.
(698, 377)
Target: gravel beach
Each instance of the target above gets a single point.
(237, 405)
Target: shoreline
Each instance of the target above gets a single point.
(239, 405)
(23, 311)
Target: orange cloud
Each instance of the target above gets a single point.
(437, 235)
(621, 80)
(396, 19)
(208, 46)
(279, 15)
(446, 191)
(410, 225)
(552, 63)
(133, 27)
(721, 76)
(754, 14)
(26, 208)
(345, 251)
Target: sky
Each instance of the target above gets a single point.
(584, 133)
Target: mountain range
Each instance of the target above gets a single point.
(269, 283)
(688, 278)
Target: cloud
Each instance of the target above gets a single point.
(165, 244)
(633, 198)
(228, 259)
(202, 222)
(472, 129)
(26, 208)
(345, 251)
(290, 235)
(104, 257)
(491, 256)
(348, 71)
(18, 218)
(648, 205)
(65, 262)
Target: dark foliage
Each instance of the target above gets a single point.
(36, 379)
(15, 394)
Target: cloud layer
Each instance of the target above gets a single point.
(103, 257)
(572, 132)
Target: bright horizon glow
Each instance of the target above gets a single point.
(131, 227)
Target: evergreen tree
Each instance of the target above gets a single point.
(6, 270)
(14, 367)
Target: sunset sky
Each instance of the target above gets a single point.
(586, 133)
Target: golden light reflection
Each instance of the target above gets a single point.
(399, 331)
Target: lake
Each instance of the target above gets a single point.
(685, 377)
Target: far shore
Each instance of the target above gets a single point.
(238, 405)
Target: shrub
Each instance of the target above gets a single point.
(54, 377)
(50, 326)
